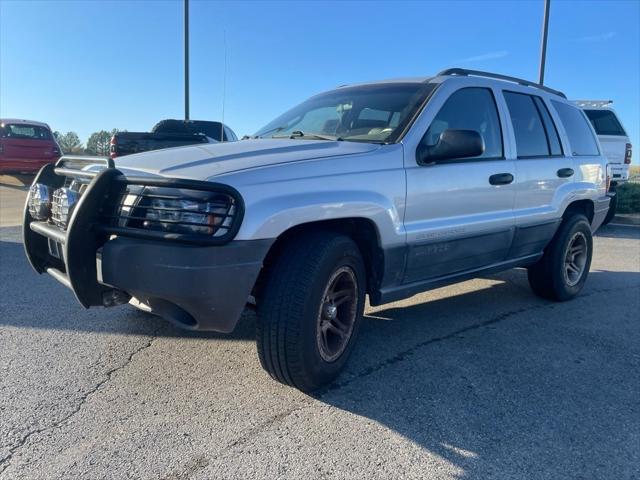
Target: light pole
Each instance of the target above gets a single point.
(186, 59)
(543, 47)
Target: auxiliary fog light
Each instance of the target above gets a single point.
(64, 199)
(40, 201)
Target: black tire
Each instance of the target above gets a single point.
(613, 204)
(289, 336)
(553, 277)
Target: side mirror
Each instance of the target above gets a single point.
(452, 144)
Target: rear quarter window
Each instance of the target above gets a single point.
(605, 122)
(581, 138)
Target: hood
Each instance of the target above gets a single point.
(209, 160)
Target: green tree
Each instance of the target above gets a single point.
(69, 142)
(98, 143)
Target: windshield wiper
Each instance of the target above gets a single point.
(276, 129)
(300, 134)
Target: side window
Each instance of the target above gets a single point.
(469, 109)
(581, 137)
(531, 138)
(549, 127)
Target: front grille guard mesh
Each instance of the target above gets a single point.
(150, 208)
(155, 208)
(124, 210)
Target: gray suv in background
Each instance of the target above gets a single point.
(383, 189)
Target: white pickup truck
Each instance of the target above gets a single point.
(615, 143)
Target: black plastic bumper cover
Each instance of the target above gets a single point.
(600, 210)
(198, 288)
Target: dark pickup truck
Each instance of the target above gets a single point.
(170, 133)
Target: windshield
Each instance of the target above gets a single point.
(369, 113)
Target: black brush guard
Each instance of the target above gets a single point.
(87, 231)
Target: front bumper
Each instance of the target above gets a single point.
(199, 285)
(198, 288)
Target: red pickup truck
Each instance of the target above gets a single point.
(25, 146)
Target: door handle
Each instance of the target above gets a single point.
(565, 172)
(501, 179)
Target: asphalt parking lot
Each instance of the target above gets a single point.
(473, 381)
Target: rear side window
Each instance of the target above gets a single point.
(528, 127)
(25, 131)
(605, 122)
(469, 109)
(581, 137)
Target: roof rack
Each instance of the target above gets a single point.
(593, 103)
(478, 73)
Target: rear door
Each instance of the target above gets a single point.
(459, 212)
(542, 170)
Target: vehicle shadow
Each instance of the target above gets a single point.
(29, 300)
(501, 384)
(16, 181)
(484, 375)
(613, 231)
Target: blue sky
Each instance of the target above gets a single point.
(91, 65)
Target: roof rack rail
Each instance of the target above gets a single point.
(478, 73)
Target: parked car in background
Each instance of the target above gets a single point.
(615, 144)
(384, 189)
(170, 133)
(26, 145)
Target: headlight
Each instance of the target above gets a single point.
(39, 201)
(64, 199)
(186, 215)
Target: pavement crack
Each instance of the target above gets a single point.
(201, 462)
(6, 461)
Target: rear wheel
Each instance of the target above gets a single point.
(310, 310)
(562, 271)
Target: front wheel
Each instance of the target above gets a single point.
(310, 310)
(562, 271)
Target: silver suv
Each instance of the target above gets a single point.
(383, 189)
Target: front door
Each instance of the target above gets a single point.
(459, 212)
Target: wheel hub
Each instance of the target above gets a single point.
(337, 314)
(575, 259)
(330, 311)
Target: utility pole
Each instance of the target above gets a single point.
(186, 59)
(543, 47)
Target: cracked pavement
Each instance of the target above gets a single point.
(476, 380)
